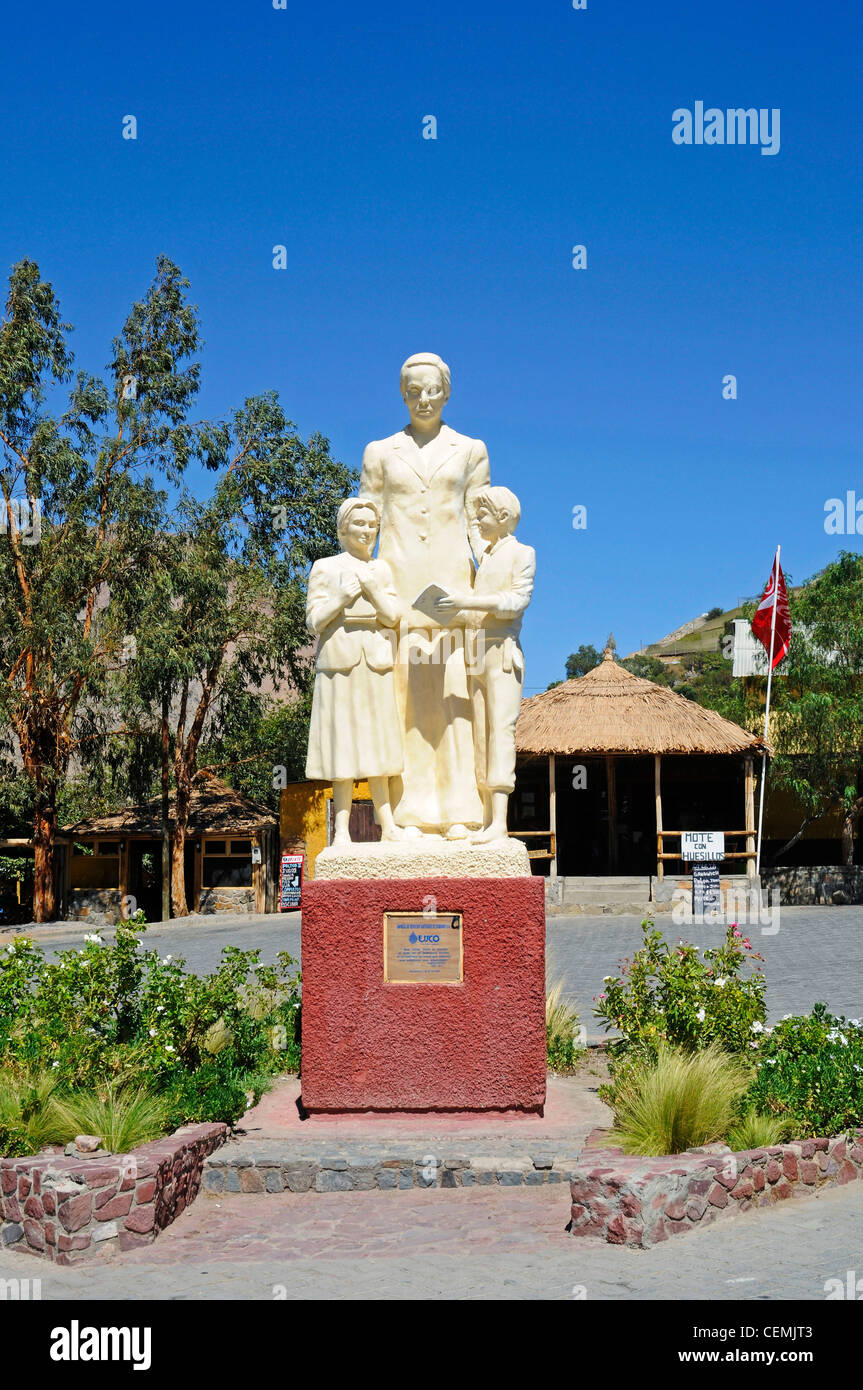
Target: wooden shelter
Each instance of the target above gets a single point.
(231, 855)
(618, 761)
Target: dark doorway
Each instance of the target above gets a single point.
(362, 824)
(144, 876)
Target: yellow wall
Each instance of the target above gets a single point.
(783, 815)
(303, 816)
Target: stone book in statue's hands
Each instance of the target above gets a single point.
(426, 601)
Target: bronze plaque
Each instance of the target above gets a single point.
(423, 950)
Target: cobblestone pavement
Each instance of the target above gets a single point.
(473, 1244)
(816, 954)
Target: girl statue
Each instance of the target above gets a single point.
(355, 731)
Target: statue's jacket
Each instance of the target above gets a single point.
(356, 632)
(424, 498)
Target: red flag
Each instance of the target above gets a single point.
(775, 594)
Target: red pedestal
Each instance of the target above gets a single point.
(476, 1045)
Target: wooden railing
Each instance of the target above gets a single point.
(549, 835)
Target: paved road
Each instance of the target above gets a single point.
(483, 1243)
(817, 953)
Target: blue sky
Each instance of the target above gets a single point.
(600, 387)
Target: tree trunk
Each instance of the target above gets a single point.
(849, 830)
(166, 828)
(789, 844)
(44, 828)
(178, 848)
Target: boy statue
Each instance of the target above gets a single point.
(494, 609)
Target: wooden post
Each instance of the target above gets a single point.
(123, 870)
(552, 812)
(657, 787)
(749, 821)
(612, 813)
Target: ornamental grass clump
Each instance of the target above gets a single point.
(28, 1112)
(122, 1117)
(677, 1100)
(562, 1031)
(755, 1131)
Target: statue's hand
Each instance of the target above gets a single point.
(350, 583)
(449, 603)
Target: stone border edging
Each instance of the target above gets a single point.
(276, 1169)
(67, 1209)
(630, 1200)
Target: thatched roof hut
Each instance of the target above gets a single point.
(232, 845)
(609, 710)
(607, 716)
(214, 809)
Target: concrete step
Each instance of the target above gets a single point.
(606, 883)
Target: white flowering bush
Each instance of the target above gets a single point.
(681, 997)
(810, 1074)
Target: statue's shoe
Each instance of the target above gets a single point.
(457, 832)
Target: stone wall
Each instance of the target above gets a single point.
(630, 1200)
(101, 906)
(241, 900)
(69, 1209)
(829, 884)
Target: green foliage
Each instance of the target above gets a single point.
(581, 661)
(563, 1046)
(132, 1029)
(122, 1117)
(810, 1074)
(755, 1131)
(29, 1117)
(212, 1093)
(681, 997)
(818, 723)
(14, 869)
(677, 1099)
(648, 668)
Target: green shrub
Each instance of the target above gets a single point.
(810, 1074)
(755, 1131)
(122, 1117)
(207, 1095)
(28, 1113)
(112, 1020)
(677, 1099)
(679, 996)
(563, 1045)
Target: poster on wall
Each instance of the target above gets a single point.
(290, 882)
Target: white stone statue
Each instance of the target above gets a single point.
(425, 480)
(356, 731)
(494, 608)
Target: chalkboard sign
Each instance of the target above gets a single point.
(706, 896)
(290, 882)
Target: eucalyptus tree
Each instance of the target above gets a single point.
(83, 501)
(225, 611)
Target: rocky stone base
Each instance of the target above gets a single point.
(278, 1168)
(630, 1200)
(69, 1209)
(101, 906)
(227, 900)
(816, 885)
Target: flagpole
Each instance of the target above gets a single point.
(767, 707)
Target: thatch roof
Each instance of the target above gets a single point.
(216, 809)
(609, 710)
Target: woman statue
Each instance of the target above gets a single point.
(425, 480)
(355, 730)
